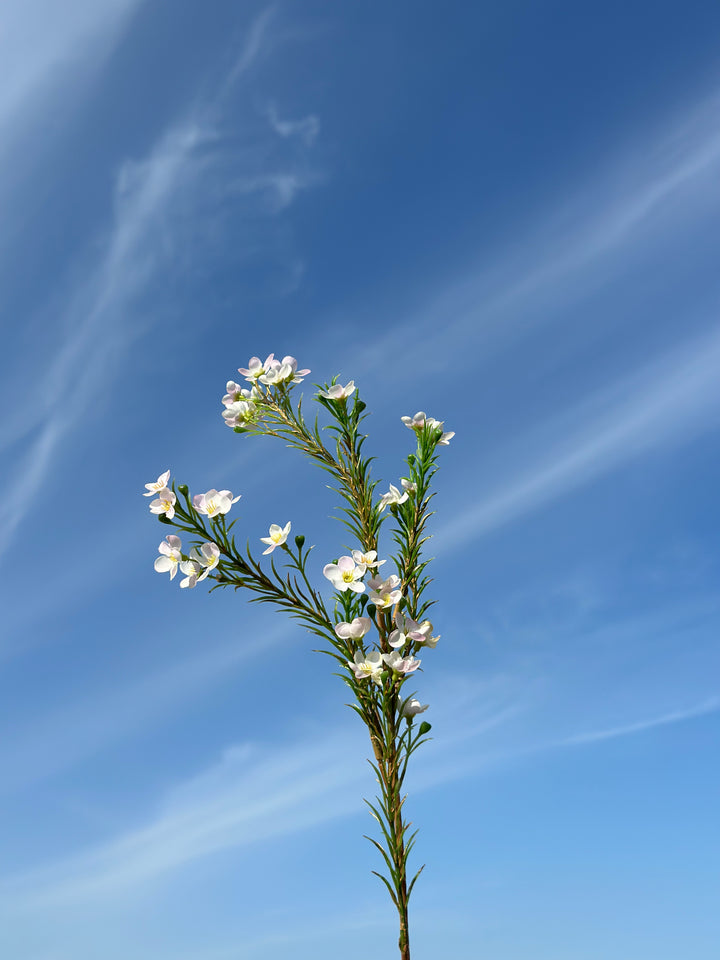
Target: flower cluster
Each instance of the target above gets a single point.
(241, 405)
(372, 665)
(272, 372)
(196, 566)
(371, 630)
(385, 593)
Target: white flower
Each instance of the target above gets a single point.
(408, 486)
(158, 485)
(214, 502)
(397, 639)
(392, 496)
(413, 707)
(239, 413)
(367, 665)
(338, 392)
(278, 536)
(191, 571)
(235, 392)
(291, 372)
(165, 503)
(385, 593)
(345, 575)
(415, 423)
(272, 371)
(256, 368)
(398, 664)
(412, 630)
(421, 420)
(368, 559)
(207, 558)
(170, 555)
(355, 630)
(274, 374)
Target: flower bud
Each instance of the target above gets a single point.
(425, 727)
(299, 541)
(183, 489)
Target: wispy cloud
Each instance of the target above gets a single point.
(98, 324)
(306, 128)
(668, 402)
(712, 705)
(256, 793)
(253, 793)
(622, 211)
(42, 44)
(96, 330)
(71, 734)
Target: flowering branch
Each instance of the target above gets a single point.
(376, 627)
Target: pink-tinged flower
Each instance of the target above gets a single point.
(256, 368)
(234, 392)
(278, 536)
(397, 639)
(158, 485)
(284, 371)
(408, 486)
(413, 707)
(367, 559)
(191, 571)
(293, 374)
(418, 632)
(393, 496)
(385, 593)
(421, 420)
(367, 665)
(400, 664)
(165, 503)
(355, 630)
(205, 558)
(170, 555)
(240, 413)
(415, 423)
(214, 502)
(338, 392)
(345, 575)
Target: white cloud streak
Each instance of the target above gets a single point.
(254, 794)
(620, 214)
(98, 323)
(667, 403)
(70, 735)
(712, 705)
(43, 43)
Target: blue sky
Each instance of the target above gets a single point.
(504, 214)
